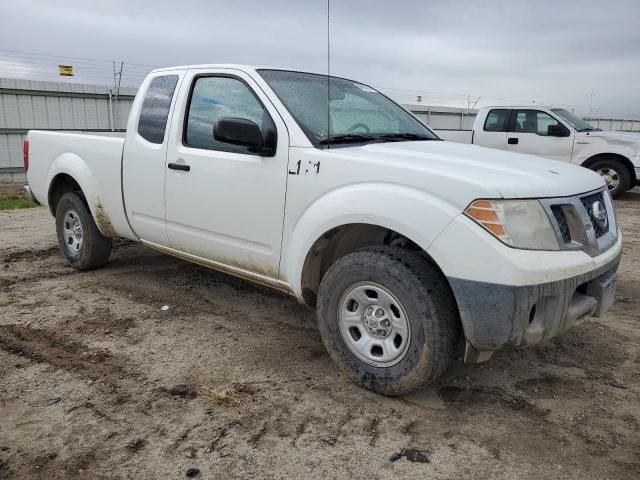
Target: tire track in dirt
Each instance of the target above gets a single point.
(188, 292)
(30, 255)
(43, 346)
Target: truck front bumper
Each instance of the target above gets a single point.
(496, 316)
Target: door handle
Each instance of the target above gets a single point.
(513, 141)
(179, 166)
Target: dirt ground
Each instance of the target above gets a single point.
(98, 381)
(10, 189)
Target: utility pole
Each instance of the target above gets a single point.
(591, 104)
(117, 79)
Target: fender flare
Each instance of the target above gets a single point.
(402, 209)
(74, 166)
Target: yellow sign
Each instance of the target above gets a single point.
(65, 70)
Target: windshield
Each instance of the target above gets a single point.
(357, 113)
(576, 122)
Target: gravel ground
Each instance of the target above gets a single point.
(97, 380)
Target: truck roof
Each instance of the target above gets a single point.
(237, 66)
(522, 106)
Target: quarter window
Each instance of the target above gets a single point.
(496, 121)
(155, 108)
(534, 121)
(214, 98)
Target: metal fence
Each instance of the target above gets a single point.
(620, 124)
(27, 104)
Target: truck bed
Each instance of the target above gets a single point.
(94, 161)
(458, 136)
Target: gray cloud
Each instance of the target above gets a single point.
(504, 51)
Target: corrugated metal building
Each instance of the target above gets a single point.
(26, 105)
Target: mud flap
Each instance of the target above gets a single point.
(473, 355)
(603, 289)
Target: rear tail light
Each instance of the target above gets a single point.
(25, 154)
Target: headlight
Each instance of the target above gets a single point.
(518, 223)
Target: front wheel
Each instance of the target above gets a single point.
(388, 318)
(80, 241)
(615, 174)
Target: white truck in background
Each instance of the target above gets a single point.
(557, 134)
(402, 242)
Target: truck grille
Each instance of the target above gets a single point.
(583, 222)
(589, 201)
(563, 225)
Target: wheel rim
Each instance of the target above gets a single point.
(610, 176)
(72, 232)
(374, 324)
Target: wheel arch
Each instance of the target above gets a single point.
(376, 211)
(60, 184)
(68, 173)
(615, 156)
(341, 240)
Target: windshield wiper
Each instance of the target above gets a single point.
(347, 138)
(589, 129)
(405, 136)
(360, 138)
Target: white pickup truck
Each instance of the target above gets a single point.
(338, 196)
(557, 134)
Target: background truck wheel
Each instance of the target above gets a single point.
(615, 173)
(388, 319)
(80, 241)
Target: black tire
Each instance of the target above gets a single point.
(430, 309)
(620, 169)
(94, 249)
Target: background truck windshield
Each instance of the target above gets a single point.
(576, 122)
(355, 109)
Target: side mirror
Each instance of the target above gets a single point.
(239, 131)
(558, 130)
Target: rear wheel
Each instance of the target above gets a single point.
(388, 319)
(80, 241)
(615, 174)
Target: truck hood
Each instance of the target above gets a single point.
(620, 138)
(485, 172)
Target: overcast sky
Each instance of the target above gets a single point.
(503, 51)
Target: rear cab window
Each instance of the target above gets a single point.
(496, 120)
(155, 108)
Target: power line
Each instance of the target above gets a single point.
(75, 58)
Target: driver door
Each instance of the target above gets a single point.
(529, 134)
(224, 203)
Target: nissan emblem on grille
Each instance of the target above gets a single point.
(599, 214)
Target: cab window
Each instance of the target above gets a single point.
(216, 97)
(155, 108)
(496, 120)
(534, 121)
